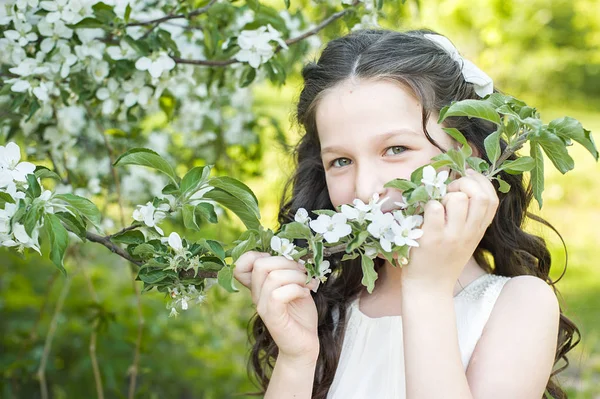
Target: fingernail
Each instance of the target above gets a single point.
(301, 267)
(471, 172)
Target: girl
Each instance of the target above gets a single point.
(472, 315)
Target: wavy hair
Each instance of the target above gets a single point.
(435, 80)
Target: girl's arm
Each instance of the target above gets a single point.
(292, 378)
(513, 358)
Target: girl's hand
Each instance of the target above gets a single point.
(283, 301)
(452, 230)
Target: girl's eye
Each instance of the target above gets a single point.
(397, 149)
(339, 162)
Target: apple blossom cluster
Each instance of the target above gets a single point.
(366, 228)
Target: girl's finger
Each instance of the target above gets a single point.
(279, 278)
(479, 200)
(457, 209)
(277, 300)
(244, 265)
(433, 218)
(494, 201)
(262, 268)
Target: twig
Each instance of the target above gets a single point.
(174, 16)
(291, 41)
(93, 339)
(41, 373)
(134, 368)
(112, 246)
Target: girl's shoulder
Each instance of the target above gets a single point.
(530, 293)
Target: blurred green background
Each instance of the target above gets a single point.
(545, 52)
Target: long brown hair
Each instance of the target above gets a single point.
(436, 80)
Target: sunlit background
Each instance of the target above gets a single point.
(544, 52)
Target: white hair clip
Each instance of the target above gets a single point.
(484, 85)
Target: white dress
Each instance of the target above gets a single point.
(371, 363)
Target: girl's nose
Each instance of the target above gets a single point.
(368, 182)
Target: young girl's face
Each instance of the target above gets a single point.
(370, 133)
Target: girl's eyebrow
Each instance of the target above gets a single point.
(380, 137)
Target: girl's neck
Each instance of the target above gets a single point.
(389, 277)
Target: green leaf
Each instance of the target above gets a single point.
(518, 166)
(287, 4)
(144, 250)
(129, 237)
(33, 216)
(155, 276)
(317, 247)
(171, 189)
(458, 158)
(34, 189)
(420, 194)
(239, 190)
(213, 246)
(327, 212)
(357, 241)
(472, 109)
(537, 173)
(148, 158)
(253, 4)
(5, 197)
(72, 223)
(458, 136)
(295, 230)
(225, 279)
(248, 76)
(84, 206)
(504, 186)
(571, 128)
(401, 184)
(104, 13)
(88, 23)
(59, 240)
(555, 148)
(206, 211)
(246, 213)
(478, 164)
(42, 172)
(193, 178)
(189, 217)
(249, 244)
(492, 146)
(351, 256)
(127, 13)
(369, 273)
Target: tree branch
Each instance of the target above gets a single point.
(174, 16)
(134, 368)
(112, 246)
(315, 30)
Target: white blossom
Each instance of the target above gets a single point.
(10, 165)
(255, 46)
(435, 185)
(91, 46)
(110, 96)
(406, 231)
(121, 52)
(5, 215)
(301, 216)
(283, 247)
(136, 91)
(99, 70)
(53, 32)
(175, 242)
(156, 65)
(22, 33)
(11, 52)
(150, 215)
(332, 227)
(382, 227)
(22, 239)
